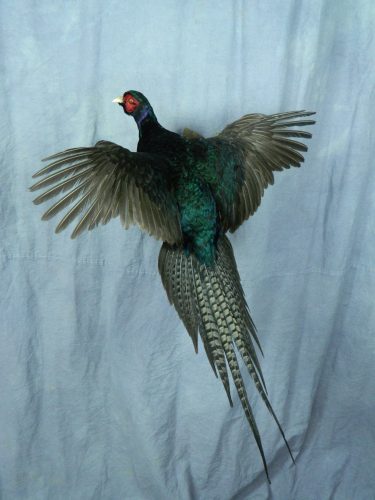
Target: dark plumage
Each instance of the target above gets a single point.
(187, 191)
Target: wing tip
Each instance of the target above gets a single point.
(38, 173)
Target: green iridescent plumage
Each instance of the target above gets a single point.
(198, 218)
(187, 191)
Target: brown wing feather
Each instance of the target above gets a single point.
(106, 181)
(262, 145)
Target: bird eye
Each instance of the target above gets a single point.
(131, 101)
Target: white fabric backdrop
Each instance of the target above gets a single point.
(101, 394)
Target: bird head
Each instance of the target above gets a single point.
(135, 104)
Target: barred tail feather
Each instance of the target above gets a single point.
(210, 301)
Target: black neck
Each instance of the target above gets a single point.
(146, 119)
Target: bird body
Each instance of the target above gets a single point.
(187, 191)
(187, 167)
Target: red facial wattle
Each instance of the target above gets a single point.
(130, 103)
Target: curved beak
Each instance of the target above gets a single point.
(118, 100)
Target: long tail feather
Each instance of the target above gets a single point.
(210, 301)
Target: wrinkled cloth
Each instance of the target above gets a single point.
(101, 394)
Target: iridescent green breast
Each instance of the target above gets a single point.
(198, 217)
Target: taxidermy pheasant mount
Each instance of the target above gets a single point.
(187, 191)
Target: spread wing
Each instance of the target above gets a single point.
(247, 152)
(106, 181)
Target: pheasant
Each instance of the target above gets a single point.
(187, 191)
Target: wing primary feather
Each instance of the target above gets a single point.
(68, 198)
(59, 175)
(53, 166)
(84, 221)
(74, 211)
(59, 188)
(96, 211)
(289, 143)
(68, 152)
(290, 114)
(299, 123)
(290, 133)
